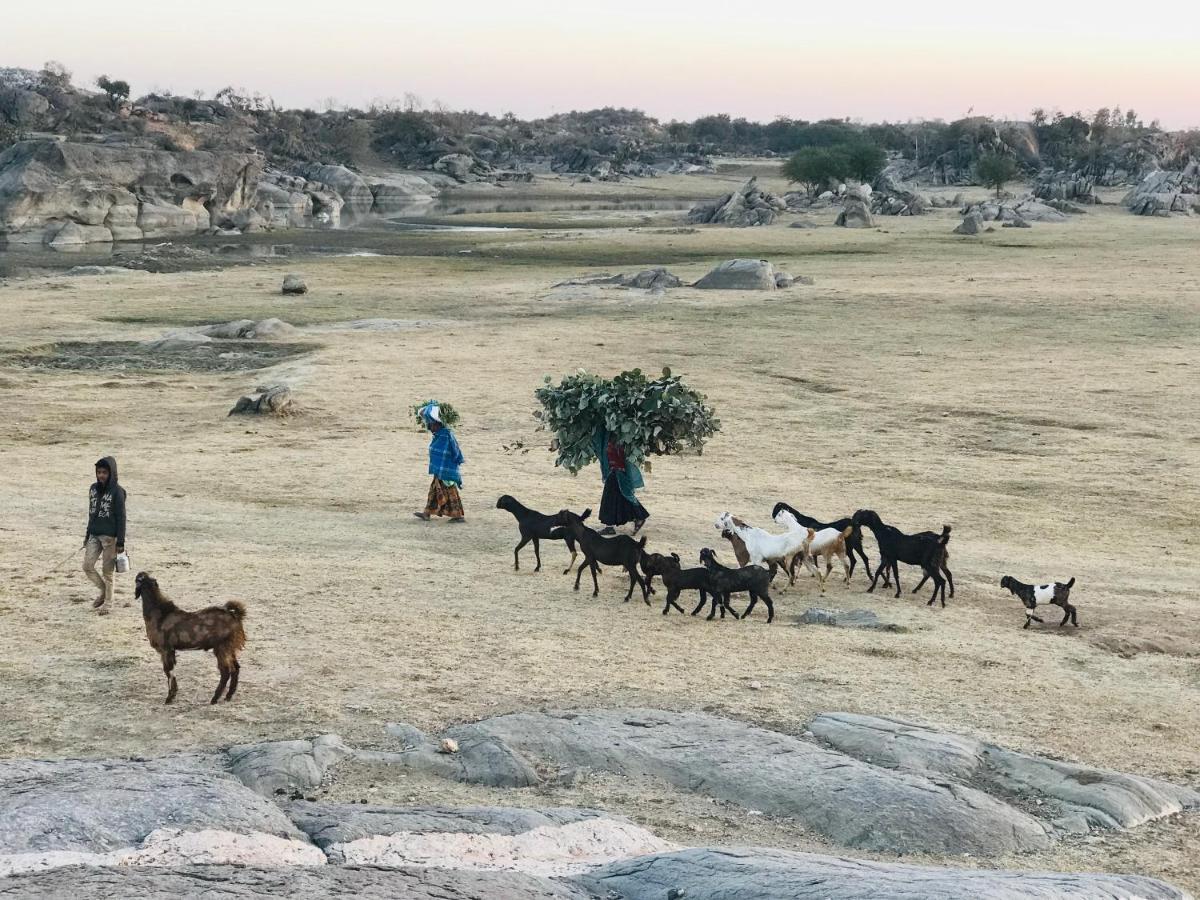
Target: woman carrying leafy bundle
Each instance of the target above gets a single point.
(445, 458)
(622, 479)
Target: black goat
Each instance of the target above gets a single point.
(677, 579)
(535, 527)
(853, 543)
(927, 550)
(754, 580)
(1031, 595)
(621, 550)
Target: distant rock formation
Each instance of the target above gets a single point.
(745, 207)
(1162, 193)
(64, 193)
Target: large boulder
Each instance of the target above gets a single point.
(1066, 186)
(462, 167)
(745, 207)
(130, 192)
(740, 275)
(353, 191)
(855, 214)
(294, 284)
(972, 223)
(394, 193)
(275, 400)
(286, 767)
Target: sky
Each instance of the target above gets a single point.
(872, 60)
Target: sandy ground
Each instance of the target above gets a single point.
(1034, 389)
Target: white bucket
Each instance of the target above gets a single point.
(122, 563)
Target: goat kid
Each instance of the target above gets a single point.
(677, 579)
(754, 580)
(535, 526)
(621, 550)
(828, 542)
(169, 628)
(1057, 594)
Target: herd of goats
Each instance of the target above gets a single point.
(761, 555)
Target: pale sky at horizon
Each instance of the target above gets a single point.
(886, 60)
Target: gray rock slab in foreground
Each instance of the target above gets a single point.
(1079, 797)
(848, 801)
(756, 874)
(102, 805)
(236, 882)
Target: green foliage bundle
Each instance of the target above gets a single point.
(446, 413)
(658, 417)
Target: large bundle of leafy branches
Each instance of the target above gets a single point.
(447, 414)
(648, 417)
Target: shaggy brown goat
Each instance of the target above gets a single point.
(169, 628)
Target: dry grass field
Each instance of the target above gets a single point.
(1034, 389)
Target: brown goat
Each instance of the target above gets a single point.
(741, 553)
(169, 628)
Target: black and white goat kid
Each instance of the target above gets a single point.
(1057, 594)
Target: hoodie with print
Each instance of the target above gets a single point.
(106, 505)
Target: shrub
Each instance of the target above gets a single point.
(116, 90)
(995, 171)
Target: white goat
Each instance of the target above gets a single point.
(828, 542)
(764, 547)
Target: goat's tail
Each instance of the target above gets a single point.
(236, 608)
(1070, 584)
(945, 538)
(846, 532)
(642, 544)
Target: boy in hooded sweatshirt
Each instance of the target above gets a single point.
(105, 531)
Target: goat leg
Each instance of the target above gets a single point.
(537, 554)
(595, 580)
(235, 670)
(224, 670)
(168, 663)
(949, 578)
(517, 553)
(896, 573)
(570, 546)
(703, 600)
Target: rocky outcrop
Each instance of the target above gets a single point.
(63, 193)
(223, 824)
(656, 279)
(745, 207)
(891, 197)
(740, 275)
(1028, 209)
(855, 214)
(1065, 186)
(972, 223)
(753, 874)
(1163, 193)
(294, 284)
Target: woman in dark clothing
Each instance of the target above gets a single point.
(619, 503)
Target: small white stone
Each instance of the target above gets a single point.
(449, 745)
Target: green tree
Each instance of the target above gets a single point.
(995, 171)
(864, 160)
(116, 90)
(814, 167)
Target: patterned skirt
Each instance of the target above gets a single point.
(444, 501)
